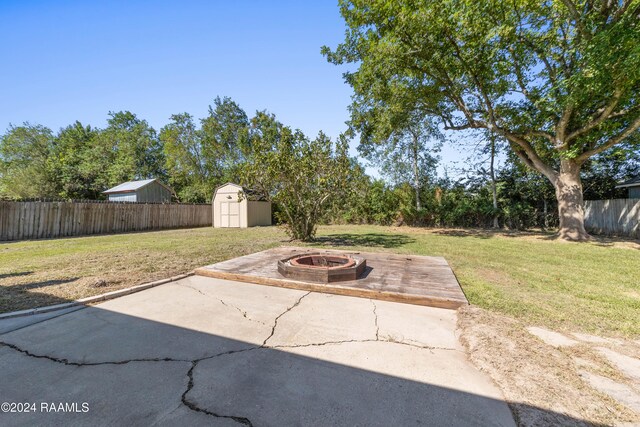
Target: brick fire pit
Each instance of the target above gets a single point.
(322, 268)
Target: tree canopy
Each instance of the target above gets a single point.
(406, 153)
(302, 176)
(24, 161)
(558, 79)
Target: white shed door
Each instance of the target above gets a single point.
(229, 214)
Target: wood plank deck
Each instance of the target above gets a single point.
(411, 279)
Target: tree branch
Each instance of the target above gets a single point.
(474, 76)
(634, 126)
(561, 127)
(622, 10)
(623, 112)
(535, 161)
(542, 134)
(605, 114)
(575, 15)
(521, 155)
(451, 126)
(550, 70)
(520, 78)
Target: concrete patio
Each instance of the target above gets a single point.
(209, 351)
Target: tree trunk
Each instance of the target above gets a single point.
(494, 187)
(570, 204)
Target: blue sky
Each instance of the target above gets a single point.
(70, 60)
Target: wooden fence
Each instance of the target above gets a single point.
(619, 217)
(40, 220)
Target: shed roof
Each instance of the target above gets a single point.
(130, 186)
(634, 182)
(252, 194)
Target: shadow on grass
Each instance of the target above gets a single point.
(609, 241)
(43, 284)
(14, 300)
(378, 240)
(485, 233)
(26, 296)
(18, 274)
(595, 239)
(549, 235)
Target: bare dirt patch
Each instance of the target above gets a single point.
(542, 383)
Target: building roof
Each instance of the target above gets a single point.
(131, 186)
(251, 194)
(634, 182)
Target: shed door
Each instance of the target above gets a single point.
(229, 214)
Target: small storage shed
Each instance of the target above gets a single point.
(633, 185)
(236, 206)
(146, 191)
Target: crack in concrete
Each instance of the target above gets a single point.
(196, 408)
(184, 400)
(275, 322)
(244, 313)
(319, 344)
(68, 362)
(225, 353)
(391, 340)
(424, 347)
(241, 311)
(193, 289)
(375, 314)
(194, 362)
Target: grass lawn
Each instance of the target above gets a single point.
(592, 287)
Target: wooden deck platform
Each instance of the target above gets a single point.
(420, 280)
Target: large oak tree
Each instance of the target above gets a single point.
(560, 80)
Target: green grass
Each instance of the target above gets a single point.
(45, 272)
(592, 287)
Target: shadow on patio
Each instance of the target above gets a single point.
(133, 370)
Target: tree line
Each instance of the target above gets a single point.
(81, 161)
(301, 175)
(309, 180)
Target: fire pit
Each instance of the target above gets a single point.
(322, 268)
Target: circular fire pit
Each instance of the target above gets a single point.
(322, 268)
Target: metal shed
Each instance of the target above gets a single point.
(237, 206)
(148, 190)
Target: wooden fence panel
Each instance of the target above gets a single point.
(38, 220)
(619, 217)
(4, 220)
